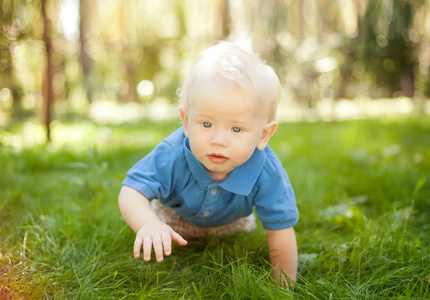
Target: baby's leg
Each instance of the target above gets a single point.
(246, 224)
(186, 229)
(190, 231)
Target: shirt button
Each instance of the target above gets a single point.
(206, 213)
(213, 192)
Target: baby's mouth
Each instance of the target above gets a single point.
(217, 158)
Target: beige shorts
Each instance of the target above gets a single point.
(190, 231)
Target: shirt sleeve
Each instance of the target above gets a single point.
(275, 202)
(153, 175)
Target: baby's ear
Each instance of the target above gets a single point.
(268, 130)
(184, 117)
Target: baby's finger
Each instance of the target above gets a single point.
(147, 245)
(167, 244)
(137, 245)
(178, 239)
(158, 248)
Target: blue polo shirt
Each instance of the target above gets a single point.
(171, 174)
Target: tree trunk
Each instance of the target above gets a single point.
(408, 82)
(83, 38)
(226, 19)
(48, 92)
(301, 18)
(131, 80)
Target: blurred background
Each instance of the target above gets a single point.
(122, 60)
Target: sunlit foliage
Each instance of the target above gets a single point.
(104, 49)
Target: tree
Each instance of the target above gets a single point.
(384, 45)
(86, 63)
(48, 92)
(226, 19)
(9, 35)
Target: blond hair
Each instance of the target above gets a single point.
(243, 68)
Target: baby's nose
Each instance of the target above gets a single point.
(219, 138)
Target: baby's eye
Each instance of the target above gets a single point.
(206, 124)
(236, 129)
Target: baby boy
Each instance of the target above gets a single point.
(209, 175)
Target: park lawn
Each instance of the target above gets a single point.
(362, 188)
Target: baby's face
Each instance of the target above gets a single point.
(223, 128)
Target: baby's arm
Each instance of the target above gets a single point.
(283, 254)
(150, 231)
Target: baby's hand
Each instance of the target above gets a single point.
(158, 235)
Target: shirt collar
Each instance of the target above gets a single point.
(240, 181)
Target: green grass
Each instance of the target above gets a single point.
(362, 187)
